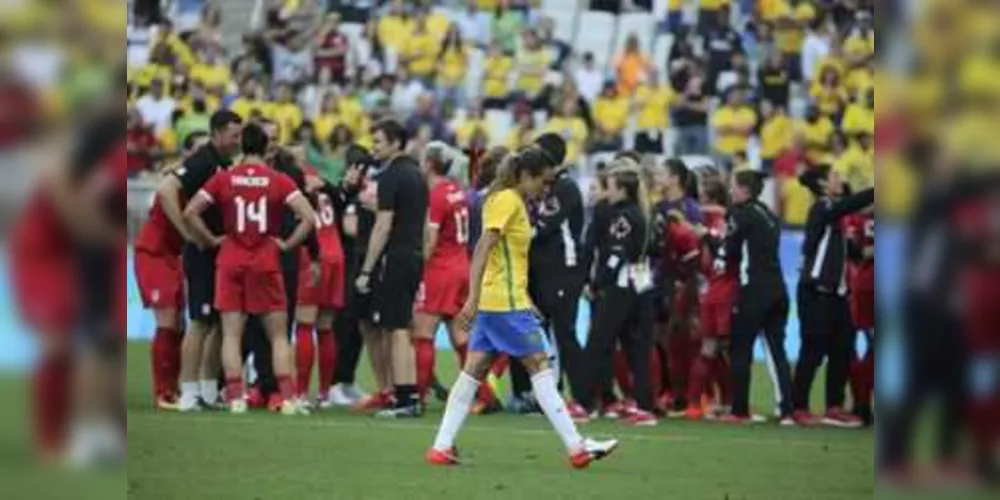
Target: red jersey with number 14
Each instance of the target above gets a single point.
(448, 211)
(252, 199)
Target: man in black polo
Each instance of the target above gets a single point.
(199, 263)
(393, 266)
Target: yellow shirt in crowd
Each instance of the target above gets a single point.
(776, 137)
(421, 51)
(211, 76)
(395, 31)
(325, 124)
(857, 120)
(713, 4)
(495, 79)
(857, 167)
(505, 279)
(816, 137)
(796, 201)
(653, 105)
(289, 118)
(742, 119)
(531, 67)
(859, 82)
(454, 65)
(467, 129)
(611, 113)
(245, 107)
(437, 24)
(771, 9)
(573, 130)
(830, 101)
(519, 138)
(675, 5)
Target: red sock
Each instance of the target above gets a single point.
(424, 349)
(162, 354)
(724, 380)
(700, 371)
(623, 375)
(51, 402)
(462, 351)
(286, 387)
(235, 388)
(500, 366)
(172, 356)
(327, 360)
(305, 356)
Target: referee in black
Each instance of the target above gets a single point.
(199, 264)
(825, 314)
(752, 245)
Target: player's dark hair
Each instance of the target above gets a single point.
(439, 157)
(630, 154)
(716, 193)
(358, 155)
(254, 140)
(750, 180)
(532, 161)
(553, 148)
(630, 181)
(176, 116)
(393, 131)
(488, 166)
(688, 181)
(813, 178)
(222, 119)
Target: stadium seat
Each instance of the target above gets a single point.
(500, 123)
(597, 31)
(563, 5)
(641, 24)
(565, 23)
(661, 51)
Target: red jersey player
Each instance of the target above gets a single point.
(681, 249)
(160, 277)
(252, 198)
(717, 302)
(860, 233)
(320, 295)
(445, 283)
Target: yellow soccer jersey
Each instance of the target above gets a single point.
(505, 279)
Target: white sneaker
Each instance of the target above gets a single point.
(294, 408)
(355, 393)
(787, 422)
(188, 405)
(324, 403)
(238, 407)
(592, 451)
(758, 419)
(343, 395)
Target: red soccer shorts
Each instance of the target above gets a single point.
(716, 319)
(443, 292)
(160, 279)
(982, 309)
(46, 292)
(863, 298)
(329, 292)
(251, 291)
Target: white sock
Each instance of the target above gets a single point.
(547, 394)
(209, 391)
(190, 391)
(459, 402)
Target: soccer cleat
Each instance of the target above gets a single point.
(275, 402)
(838, 417)
(167, 403)
(592, 451)
(694, 414)
(578, 413)
(614, 411)
(188, 405)
(294, 408)
(443, 458)
(787, 422)
(405, 412)
(378, 401)
(735, 419)
(440, 391)
(238, 407)
(481, 408)
(805, 419)
(641, 418)
(344, 395)
(255, 399)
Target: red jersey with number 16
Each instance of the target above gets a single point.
(330, 249)
(448, 211)
(252, 199)
(720, 281)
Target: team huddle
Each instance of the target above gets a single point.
(681, 271)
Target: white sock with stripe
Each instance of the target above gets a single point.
(547, 394)
(459, 403)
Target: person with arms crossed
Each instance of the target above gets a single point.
(396, 245)
(505, 320)
(252, 198)
(197, 383)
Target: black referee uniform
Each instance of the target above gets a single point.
(557, 272)
(624, 306)
(825, 315)
(753, 244)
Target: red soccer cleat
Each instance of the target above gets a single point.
(591, 452)
(275, 402)
(578, 413)
(805, 419)
(640, 418)
(614, 410)
(443, 458)
(378, 401)
(255, 399)
(840, 418)
(735, 420)
(694, 414)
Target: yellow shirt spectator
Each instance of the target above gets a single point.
(815, 137)
(289, 117)
(211, 75)
(573, 130)
(653, 105)
(776, 136)
(454, 65)
(395, 32)
(520, 138)
(505, 279)
(630, 67)
(467, 129)
(898, 201)
(611, 113)
(829, 100)
(770, 10)
(796, 201)
(168, 142)
(675, 5)
(532, 65)
(245, 107)
(421, 51)
(713, 4)
(859, 81)
(857, 167)
(495, 79)
(437, 24)
(325, 124)
(859, 48)
(487, 4)
(733, 127)
(858, 119)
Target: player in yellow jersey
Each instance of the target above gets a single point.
(505, 319)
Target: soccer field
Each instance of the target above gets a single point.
(340, 455)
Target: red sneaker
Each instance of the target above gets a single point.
(275, 402)
(805, 419)
(629, 407)
(640, 418)
(592, 451)
(840, 418)
(378, 401)
(255, 399)
(735, 420)
(664, 402)
(694, 414)
(614, 410)
(443, 458)
(577, 413)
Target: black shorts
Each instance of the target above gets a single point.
(394, 291)
(649, 142)
(199, 272)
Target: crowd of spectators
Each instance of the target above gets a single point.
(774, 84)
